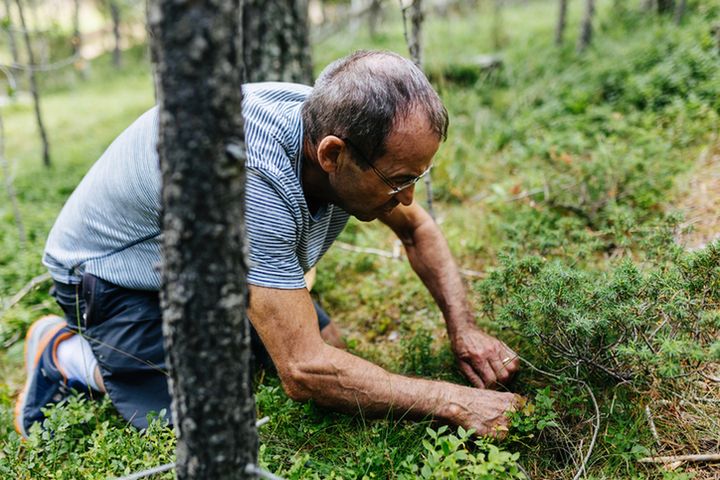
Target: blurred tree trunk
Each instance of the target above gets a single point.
(33, 85)
(196, 49)
(10, 189)
(76, 39)
(562, 21)
(414, 37)
(586, 29)
(115, 16)
(497, 25)
(680, 11)
(648, 5)
(276, 41)
(11, 33)
(665, 6)
(374, 17)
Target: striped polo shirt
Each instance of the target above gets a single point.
(110, 225)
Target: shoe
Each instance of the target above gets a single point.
(45, 382)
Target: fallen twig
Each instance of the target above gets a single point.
(703, 457)
(653, 430)
(40, 279)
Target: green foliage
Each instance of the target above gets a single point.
(627, 324)
(85, 439)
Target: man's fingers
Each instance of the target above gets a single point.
(471, 375)
(483, 368)
(501, 372)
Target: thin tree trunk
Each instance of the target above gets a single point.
(497, 25)
(648, 5)
(586, 29)
(414, 42)
(665, 6)
(562, 21)
(33, 85)
(10, 189)
(76, 39)
(374, 17)
(11, 34)
(276, 41)
(115, 15)
(680, 11)
(196, 49)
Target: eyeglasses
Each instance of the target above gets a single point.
(394, 188)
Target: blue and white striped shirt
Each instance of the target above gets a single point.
(110, 226)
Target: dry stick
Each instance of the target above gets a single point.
(703, 457)
(40, 279)
(414, 44)
(582, 468)
(397, 256)
(10, 190)
(33, 86)
(651, 422)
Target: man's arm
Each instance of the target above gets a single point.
(311, 369)
(483, 359)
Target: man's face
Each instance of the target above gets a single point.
(409, 151)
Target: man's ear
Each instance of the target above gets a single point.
(328, 153)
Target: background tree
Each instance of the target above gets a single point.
(7, 23)
(33, 84)
(561, 23)
(115, 16)
(665, 6)
(196, 48)
(586, 28)
(680, 10)
(276, 43)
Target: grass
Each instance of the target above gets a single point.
(558, 181)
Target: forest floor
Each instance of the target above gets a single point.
(579, 192)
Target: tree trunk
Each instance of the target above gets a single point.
(11, 34)
(680, 11)
(10, 189)
(562, 21)
(115, 15)
(196, 50)
(374, 17)
(665, 6)
(33, 85)
(497, 25)
(586, 29)
(276, 43)
(76, 39)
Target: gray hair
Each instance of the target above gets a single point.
(363, 95)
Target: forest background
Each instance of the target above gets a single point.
(579, 190)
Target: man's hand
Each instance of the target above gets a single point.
(483, 359)
(484, 411)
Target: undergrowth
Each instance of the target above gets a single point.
(554, 184)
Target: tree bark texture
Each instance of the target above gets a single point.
(33, 85)
(562, 22)
(414, 38)
(196, 50)
(76, 39)
(10, 189)
(115, 16)
(11, 34)
(276, 41)
(586, 28)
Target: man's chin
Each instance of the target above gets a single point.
(365, 217)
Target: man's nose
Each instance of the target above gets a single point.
(406, 195)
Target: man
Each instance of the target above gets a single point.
(356, 144)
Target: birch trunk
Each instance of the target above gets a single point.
(586, 29)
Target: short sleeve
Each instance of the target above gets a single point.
(272, 232)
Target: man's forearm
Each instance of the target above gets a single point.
(345, 382)
(431, 259)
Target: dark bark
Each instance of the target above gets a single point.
(562, 22)
(10, 189)
(33, 85)
(414, 37)
(374, 17)
(586, 28)
(11, 34)
(276, 42)
(665, 6)
(196, 49)
(115, 16)
(680, 11)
